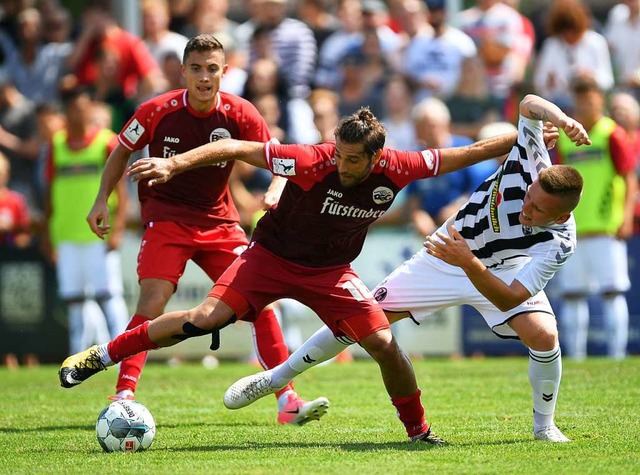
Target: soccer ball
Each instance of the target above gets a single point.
(125, 426)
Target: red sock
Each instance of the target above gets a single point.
(130, 343)
(411, 413)
(131, 367)
(270, 346)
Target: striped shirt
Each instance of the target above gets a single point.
(489, 220)
(295, 49)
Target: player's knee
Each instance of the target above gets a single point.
(380, 345)
(542, 339)
(211, 314)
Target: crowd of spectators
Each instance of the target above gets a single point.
(304, 64)
(291, 58)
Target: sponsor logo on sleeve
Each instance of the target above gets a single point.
(134, 131)
(284, 166)
(382, 194)
(429, 159)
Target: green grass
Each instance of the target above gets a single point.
(482, 407)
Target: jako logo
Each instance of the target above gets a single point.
(171, 139)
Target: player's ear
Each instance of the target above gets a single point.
(562, 218)
(376, 157)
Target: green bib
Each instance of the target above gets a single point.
(75, 185)
(601, 208)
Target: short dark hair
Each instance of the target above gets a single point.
(202, 43)
(362, 127)
(69, 94)
(562, 180)
(585, 83)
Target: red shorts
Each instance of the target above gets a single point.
(167, 246)
(336, 294)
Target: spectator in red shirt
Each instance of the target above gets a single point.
(139, 74)
(14, 214)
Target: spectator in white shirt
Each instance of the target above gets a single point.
(571, 50)
(623, 35)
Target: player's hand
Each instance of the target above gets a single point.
(550, 135)
(156, 170)
(451, 249)
(98, 219)
(626, 229)
(272, 195)
(575, 131)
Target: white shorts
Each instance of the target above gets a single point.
(86, 270)
(424, 284)
(598, 265)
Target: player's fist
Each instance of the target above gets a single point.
(576, 132)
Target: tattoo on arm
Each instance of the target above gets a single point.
(539, 116)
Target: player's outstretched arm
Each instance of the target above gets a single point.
(537, 108)
(98, 217)
(460, 157)
(161, 170)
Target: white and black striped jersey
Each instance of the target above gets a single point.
(489, 220)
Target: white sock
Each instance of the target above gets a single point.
(104, 354)
(616, 317)
(575, 323)
(320, 347)
(545, 372)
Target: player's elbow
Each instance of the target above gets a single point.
(526, 103)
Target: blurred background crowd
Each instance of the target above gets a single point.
(439, 73)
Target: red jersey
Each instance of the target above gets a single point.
(14, 216)
(134, 60)
(318, 222)
(168, 125)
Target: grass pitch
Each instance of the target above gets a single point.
(482, 407)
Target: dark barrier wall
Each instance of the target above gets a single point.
(32, 319)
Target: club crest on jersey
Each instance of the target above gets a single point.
(380, 294)
(219, 134)
(496, 199)
(382, 194)
(134, 131)
(284, 166)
